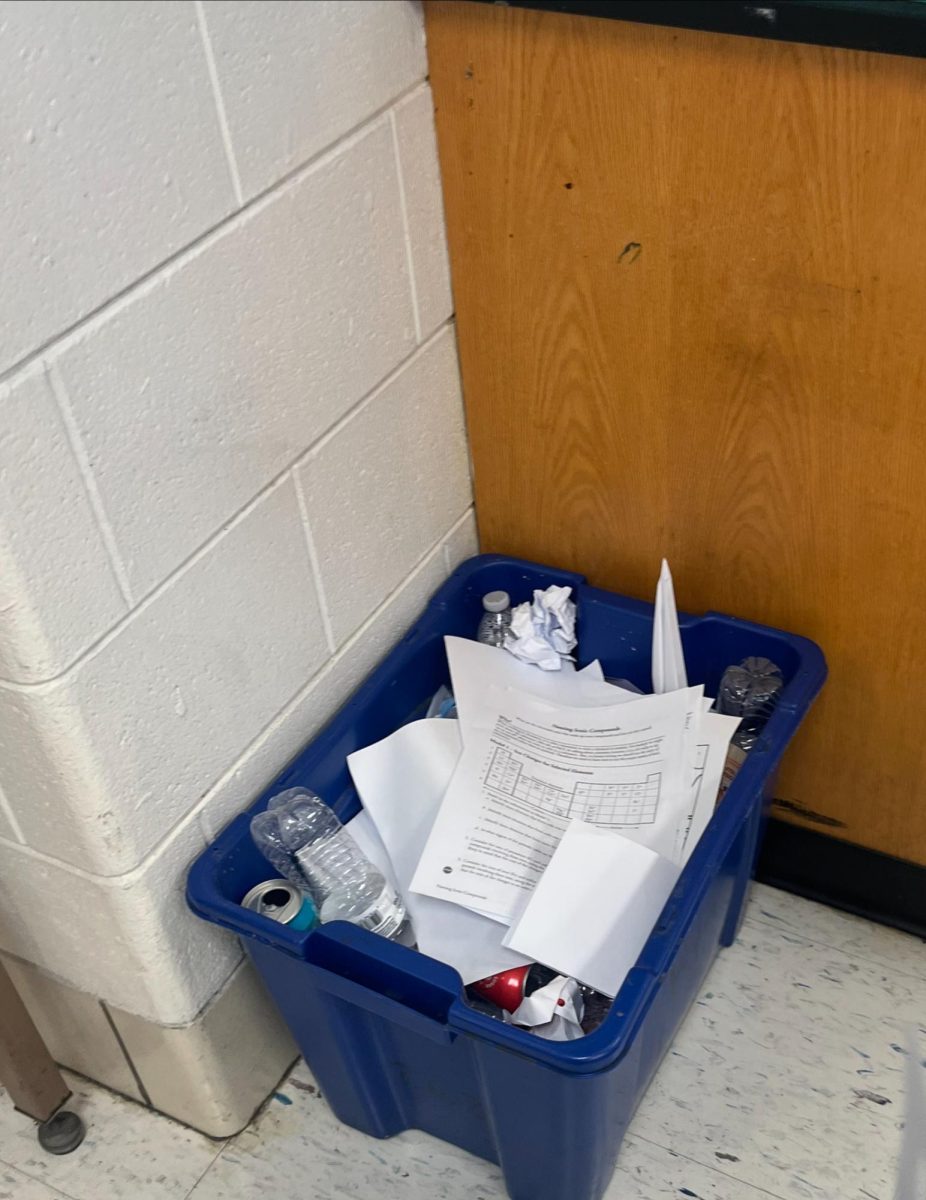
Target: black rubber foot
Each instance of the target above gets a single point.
(62, 1133)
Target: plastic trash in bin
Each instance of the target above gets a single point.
(305, 841)
(750, 690)
(496, 619)
(387, 1031)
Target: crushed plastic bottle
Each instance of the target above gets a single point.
(496, 619)
(304, 840)
(750, 690)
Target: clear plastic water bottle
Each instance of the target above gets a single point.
(301, 836)
(750, 690)
(496, 619)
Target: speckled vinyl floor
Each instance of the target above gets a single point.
(786, 1080)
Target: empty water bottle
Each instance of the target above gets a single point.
(301, 836)
(496, 619)
(750, 690)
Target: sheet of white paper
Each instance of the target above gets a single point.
(594, 693)
(476, 668)
(528, 766)
(401, 782)
(595, 906)
(668, 660)
(708, 753)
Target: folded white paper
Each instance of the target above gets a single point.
(401, 782)
(668, 660)
(594, 907)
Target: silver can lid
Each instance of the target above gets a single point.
(496, 602)
(274, 898)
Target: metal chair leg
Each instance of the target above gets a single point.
(30, 1075)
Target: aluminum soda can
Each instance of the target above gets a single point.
(283, 903)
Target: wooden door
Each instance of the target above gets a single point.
(690, 281)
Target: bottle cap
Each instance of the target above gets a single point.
(496, 601)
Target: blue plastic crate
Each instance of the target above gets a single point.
(386, 1031)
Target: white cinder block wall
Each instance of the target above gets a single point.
(232, 461)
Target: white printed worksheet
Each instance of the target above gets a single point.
(529, 766)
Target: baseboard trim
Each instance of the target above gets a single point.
(845, 876)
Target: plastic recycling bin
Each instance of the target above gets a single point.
(385, 1029)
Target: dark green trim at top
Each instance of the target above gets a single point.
(887, 26)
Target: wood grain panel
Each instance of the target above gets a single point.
(690, 274)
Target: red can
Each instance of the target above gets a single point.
(508, 988)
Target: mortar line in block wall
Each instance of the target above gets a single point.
(7, 810)
(409, 258)
(87, 324)
(123, 880)
(82, 458)
(458, 524)
(343, 650)
(315, 565)
(143, 1091)
(387, 381)
(219, 101)
(437, 547)
(228, 982)
(228, 524)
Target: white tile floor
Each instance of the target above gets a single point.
(786, 1080)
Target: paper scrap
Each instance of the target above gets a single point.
(543, 631)
(475, 669)
(553, 1011)
(668, 659)
(529, 766)
(401, 782)
(595, 906)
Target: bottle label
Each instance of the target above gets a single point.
(735, 759)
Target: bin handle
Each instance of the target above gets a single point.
(390, 980)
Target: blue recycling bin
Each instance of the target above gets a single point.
(386, 1031)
